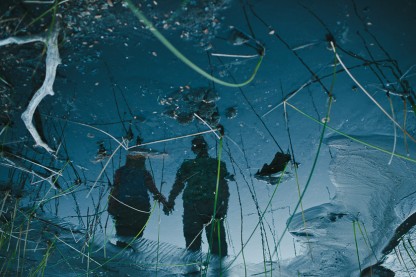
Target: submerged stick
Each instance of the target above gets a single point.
(52, 61)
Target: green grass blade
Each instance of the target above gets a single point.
(356, 245)
(180, 56)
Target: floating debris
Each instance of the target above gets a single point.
(185, 118)
(272, 173)
(274, 179)
(146, 152)
(210, 96)
(237, 37)
(231, 112)
(195, 95)
(102, 153)
(206, 110)
(182, 104)
(197, 21)
(171, 112)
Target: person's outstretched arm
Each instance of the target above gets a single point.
(181, 177)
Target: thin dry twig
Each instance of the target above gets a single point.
(49, 179)
(369, 95)
(203, 121)
(288, 97)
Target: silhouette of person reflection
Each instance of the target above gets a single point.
(129, 202)
(199, 175)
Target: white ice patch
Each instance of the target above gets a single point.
(372, 197)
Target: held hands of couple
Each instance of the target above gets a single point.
(168, 206)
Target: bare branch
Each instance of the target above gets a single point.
(52, 61)
(22, 40)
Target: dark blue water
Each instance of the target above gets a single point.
(334, 206)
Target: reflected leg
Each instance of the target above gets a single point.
(219, 243)
(192, 227)
(131, 223)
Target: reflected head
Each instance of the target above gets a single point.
(135, 159)
(199, 145)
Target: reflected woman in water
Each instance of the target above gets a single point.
(129, 202)
(199, 175)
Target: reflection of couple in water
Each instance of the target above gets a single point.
(129, 202)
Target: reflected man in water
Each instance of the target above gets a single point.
(199, 175)
(129, 202)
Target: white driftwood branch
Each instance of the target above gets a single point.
(21, 40)
(52, 61)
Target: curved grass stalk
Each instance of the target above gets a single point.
(411, 245)
(4, 80)
(259, 212)
(235, 144)
(408, 253)
(65, 259)
(158, 241)
(3, 129)
(234, 56)
(100, 130)
(366, 238)
(174, 138)
(215, 202)
(405, 75)
(180, 56)
(125, 147)
(397, 255)
(316, 156)
(128, 206)
(159, 218)
(296, 176)
(302, 210)
(404, 126)
(219, 242)
(261, 218)
(199, 233)
(76, 250)
(69, 190)
(206, 124)
(40, 269)
(12, 225)
(287, 98)
(356, 246)
(312, 170)
(395, 131)
(25, 241)
(241, 208)
(6, 195)
(102, 171)
(55, 173)
(351, 137)
(404, 263)
(53, 8)
(128, 244)
(173, 265)
(369, 95)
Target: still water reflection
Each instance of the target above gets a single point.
(205, 199)
(129, 202)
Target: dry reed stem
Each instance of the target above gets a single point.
(369, 95)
